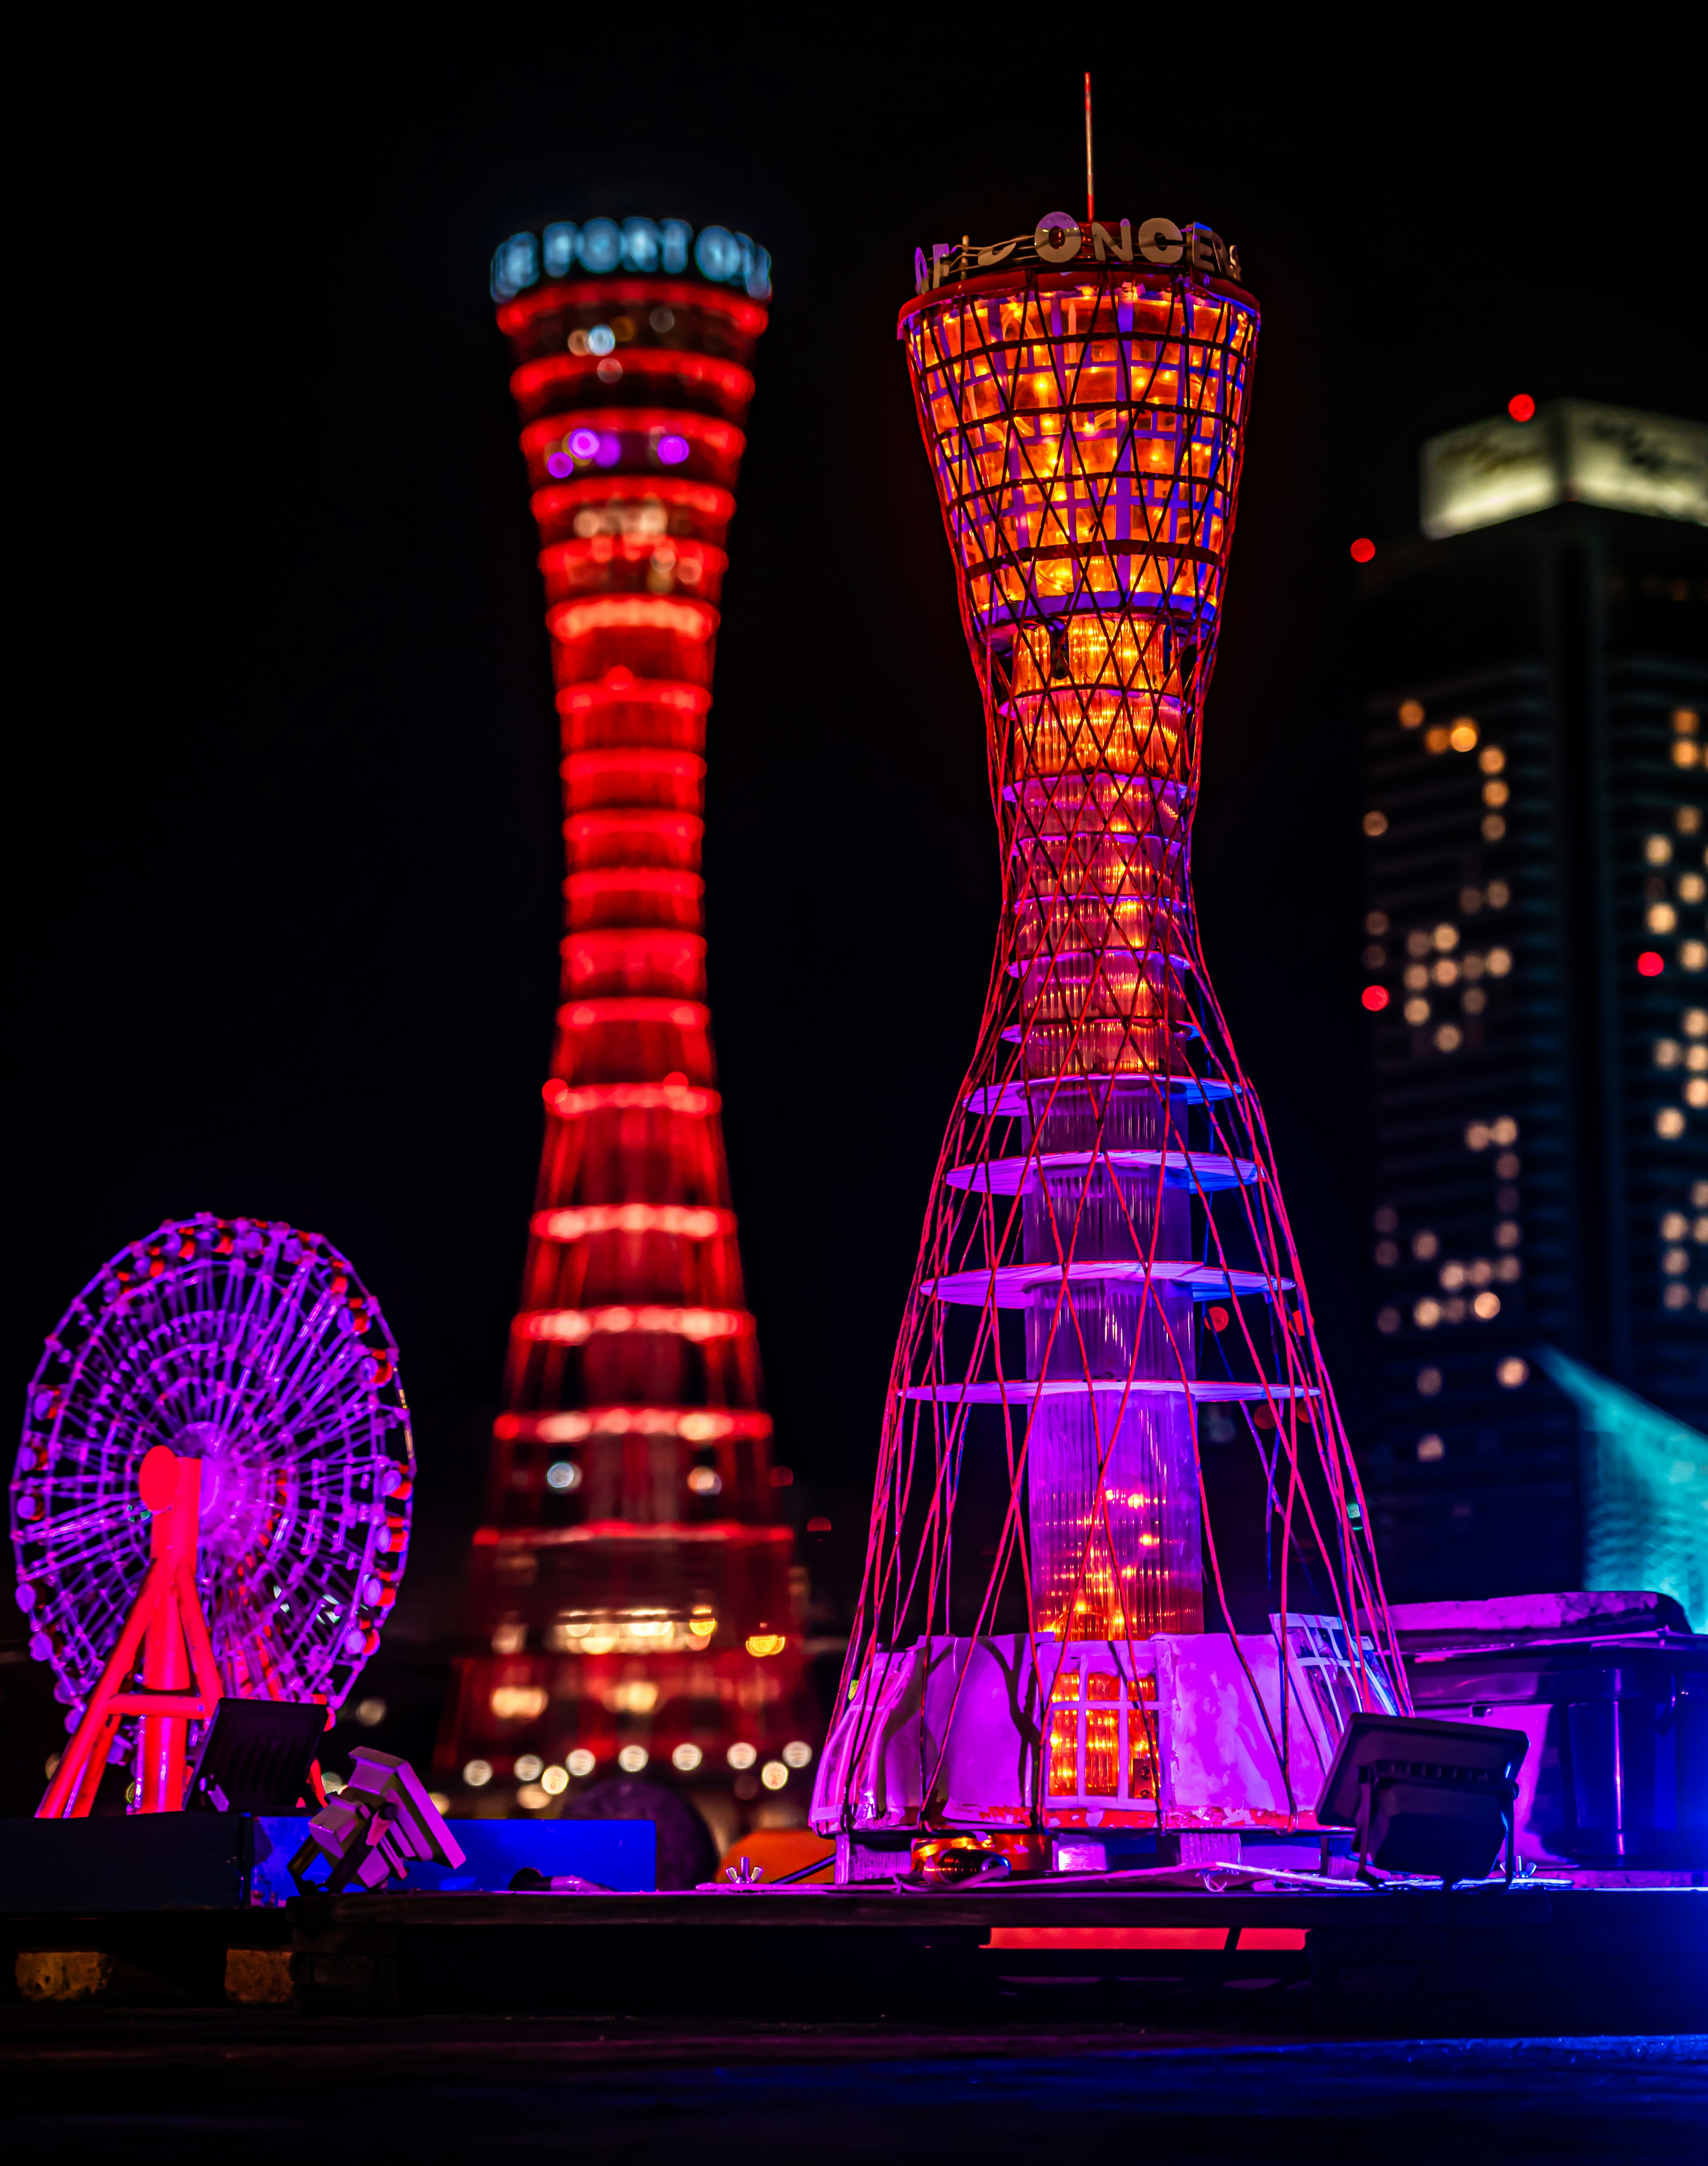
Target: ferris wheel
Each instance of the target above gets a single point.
(254, 1348)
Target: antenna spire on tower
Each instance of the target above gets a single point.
(1091, 193)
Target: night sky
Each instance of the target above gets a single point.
(288, 826)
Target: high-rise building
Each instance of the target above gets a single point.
(1537, 974)
(635, 1600)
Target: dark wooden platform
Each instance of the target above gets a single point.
(1487, 1961)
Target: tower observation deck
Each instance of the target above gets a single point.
(635, 1600)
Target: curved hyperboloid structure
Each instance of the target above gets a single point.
(1106, 1260)
(635, 1600)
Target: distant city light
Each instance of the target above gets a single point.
(686, 1758)
(1375, 998)
(528, 1767)
(774, 1774)
(581, 1762)
(1521, 406)
(1649, 964)
(1363, 549)
(1430, 1448)
(742, 1755)
(1512, 1372)
(477, 1773)
(632, 1759)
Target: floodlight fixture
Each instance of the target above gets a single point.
(259, 1757)
(1426, 1798)
(379, 1824)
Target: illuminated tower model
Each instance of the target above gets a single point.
(634, 1593)
(1029, 1647)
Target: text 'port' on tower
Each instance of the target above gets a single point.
(635, 1605)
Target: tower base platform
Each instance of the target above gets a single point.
(1484, 1960)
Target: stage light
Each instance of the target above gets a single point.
(256, 1756)
(1423, 1797)
(382, 1822)
(1363, 549)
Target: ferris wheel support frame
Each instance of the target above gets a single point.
(180, 1681)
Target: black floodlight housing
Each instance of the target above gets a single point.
(1428, 1798)
(256, 1758)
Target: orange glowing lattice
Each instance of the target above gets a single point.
(1107, 1174)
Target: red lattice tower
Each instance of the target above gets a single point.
(633, 1584)
(1106, 1247)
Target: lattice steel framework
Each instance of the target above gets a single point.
(635, 1595)
(1106, 1247)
